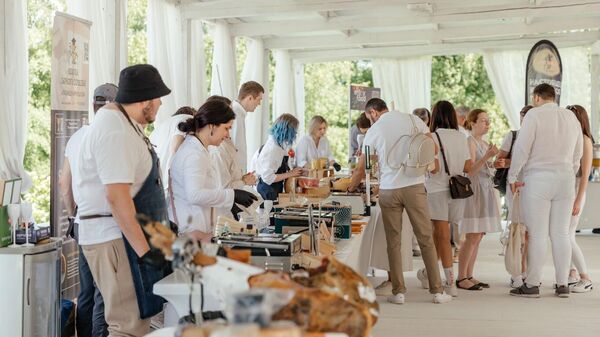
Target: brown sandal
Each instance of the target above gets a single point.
(479, 283)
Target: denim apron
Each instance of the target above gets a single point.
(150, 201)
(271, 192)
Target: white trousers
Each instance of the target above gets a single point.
(547, 201)
(578, 260)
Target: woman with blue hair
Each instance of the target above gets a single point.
(272, 161)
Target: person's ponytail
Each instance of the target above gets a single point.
(213, 112)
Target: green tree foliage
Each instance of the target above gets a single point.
(137, 41)
(327, 92)
(462, 80)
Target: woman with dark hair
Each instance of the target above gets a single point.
(581, 283)
(194, 192)
(453, 159)
(360, 128)
(271, 163)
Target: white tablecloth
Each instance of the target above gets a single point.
(369, 248)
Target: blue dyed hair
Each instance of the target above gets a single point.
(284, 130)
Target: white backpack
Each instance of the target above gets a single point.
(418, 151)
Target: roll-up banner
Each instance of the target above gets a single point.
(69, 111)
(543, 66)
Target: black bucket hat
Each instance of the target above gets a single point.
(139, 83)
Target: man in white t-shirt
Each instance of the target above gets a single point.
(118, 177)
(249, 98)
(397, 192)
(89, 321)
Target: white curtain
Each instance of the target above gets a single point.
(166, 51)
(283, 88)
(223, 81)
(299, 95)
(256, 68)
(506, 71)
(405, 83)
(576, 81)
(198, 89)
(14, 89)
(108, 52)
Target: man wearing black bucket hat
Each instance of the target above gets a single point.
(119, 178)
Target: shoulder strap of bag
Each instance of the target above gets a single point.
(414, 130)
(512, 142)
(170, 189)
(443, 154)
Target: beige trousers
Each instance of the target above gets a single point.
(414, 200)
(110, 268)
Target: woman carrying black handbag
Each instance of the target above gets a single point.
(454, 160)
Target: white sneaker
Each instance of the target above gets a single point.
(384, 288)
(396, 299)
(422, 276)
(440, 298)
(450, 289)
(583, 286)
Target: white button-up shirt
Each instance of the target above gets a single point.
(228, 170)
(307, 150)
(550, 139)
(238, 134)
(195, 188)
(269, 160)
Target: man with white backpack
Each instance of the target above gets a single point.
(405, 153)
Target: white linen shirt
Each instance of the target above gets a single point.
(456, 151)
(162, 137)
(238, 135)
(550, 139)
(111, 153)
(382, 136)
(269, 160)
(307, 150)
(195, 188)
(228, 172)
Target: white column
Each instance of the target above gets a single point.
(107, 38)
(167, 33)
(256, 70)
(595, 89)
(14, 82)
(223, 81)
(283, 88)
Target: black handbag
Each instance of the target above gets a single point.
(501, 174)
(460, 186)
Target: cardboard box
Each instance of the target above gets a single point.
(5, 233)
(35, 235)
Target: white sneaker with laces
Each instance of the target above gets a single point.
(583, 286)
(422, 276)
(450, 289)
(396, 299)
(440, 298)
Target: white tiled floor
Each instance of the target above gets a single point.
(492, 312)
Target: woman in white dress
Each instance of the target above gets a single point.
(194, 191)
(580, 283)
(454, 157)
(481, 210)
(315, 145)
